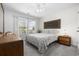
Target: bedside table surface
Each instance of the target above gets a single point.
(65, 36)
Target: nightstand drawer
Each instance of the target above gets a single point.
(64, 40)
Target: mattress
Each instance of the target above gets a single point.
(41, 40)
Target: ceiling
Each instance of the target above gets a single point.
(38, 9)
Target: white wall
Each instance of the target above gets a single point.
(1, 19)
(78, 26)
(8, 21)
(68, 22)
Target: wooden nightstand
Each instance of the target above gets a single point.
(66, 40)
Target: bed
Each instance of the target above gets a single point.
(41, 40)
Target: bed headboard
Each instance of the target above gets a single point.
(54, 24)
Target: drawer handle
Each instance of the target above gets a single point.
(11, 46)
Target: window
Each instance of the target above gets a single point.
(31, 26)
(23, 26)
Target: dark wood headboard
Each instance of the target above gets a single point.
(54, 24)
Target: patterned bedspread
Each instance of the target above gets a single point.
(41, 40)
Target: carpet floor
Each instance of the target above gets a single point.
(54, 49)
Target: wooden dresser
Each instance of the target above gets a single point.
(66, 40)
(11, 46)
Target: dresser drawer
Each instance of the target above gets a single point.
(12, 48)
